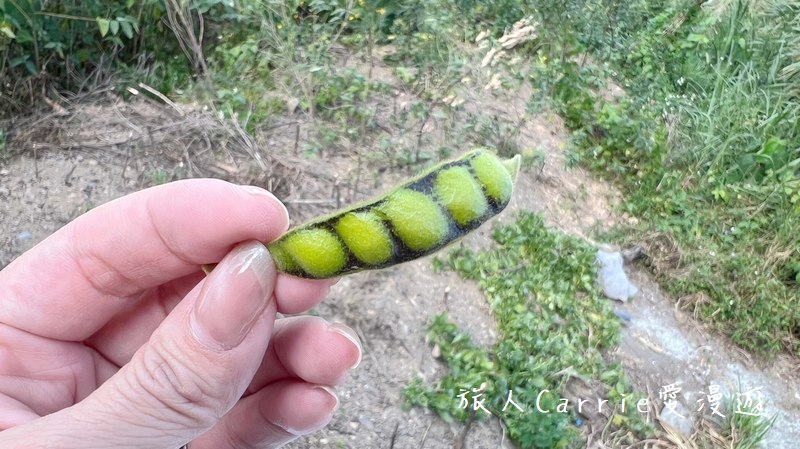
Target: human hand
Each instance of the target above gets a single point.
(110, 335)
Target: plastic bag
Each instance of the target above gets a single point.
(612, 277)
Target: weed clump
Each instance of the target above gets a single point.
(553, 324)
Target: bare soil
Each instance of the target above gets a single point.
(63, 164)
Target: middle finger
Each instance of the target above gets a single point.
(311, 349)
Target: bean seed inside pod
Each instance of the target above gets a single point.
(424, 214)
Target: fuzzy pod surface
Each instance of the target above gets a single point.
(416, 218)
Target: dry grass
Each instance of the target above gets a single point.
(151, 130)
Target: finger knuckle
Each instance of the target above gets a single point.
(177, 390)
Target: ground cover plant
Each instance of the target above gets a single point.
(554, 325)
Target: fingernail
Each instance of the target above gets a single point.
(332, 394)
(258, 191)
(334, 281)
(349, 334)
(313, 426)
(234, 296)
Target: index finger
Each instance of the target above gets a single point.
(74, 281)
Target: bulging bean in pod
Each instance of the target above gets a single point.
(424, 214)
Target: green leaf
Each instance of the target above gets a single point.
(102, 24)
(114, 27)
(127, 30)
(720, 194)
(699, 38)
(18, 60)
(31, 67)
(23, 36)
(6, 29)
(58, 47)
(774, 148)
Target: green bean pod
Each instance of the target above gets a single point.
(422, 215)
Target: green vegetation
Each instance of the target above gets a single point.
(706, 143)
(554, 325)
(159, 176)
(745, 431)
(76, 45)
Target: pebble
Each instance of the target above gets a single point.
(366, 422)
(679, 417)
(623, 315)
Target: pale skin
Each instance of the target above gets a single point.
(111, 335)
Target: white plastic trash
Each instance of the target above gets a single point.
(612, 277)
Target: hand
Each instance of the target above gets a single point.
(111, 336)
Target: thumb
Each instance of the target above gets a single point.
(192, 371)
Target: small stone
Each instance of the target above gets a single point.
(677, 416)
(291, 105)
(366, 422)
(623, 315)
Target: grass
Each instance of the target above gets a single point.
(708, 151)
(743, 430)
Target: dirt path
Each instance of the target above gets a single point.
(663, 345)
(390, 309)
